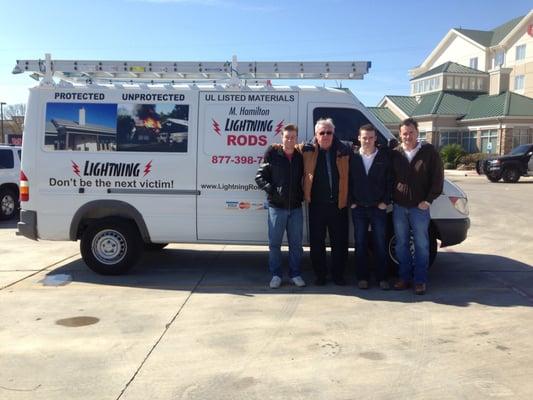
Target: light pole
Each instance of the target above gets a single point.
(2, 104)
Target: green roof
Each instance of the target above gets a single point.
(507, 104)
(385, 115)
(445, 103)
(405, 103)
(492, 37)
(450, 67)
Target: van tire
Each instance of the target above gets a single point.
(8, 203)
(111, 246)
(510, 175)
(155, 246)
(433, 247)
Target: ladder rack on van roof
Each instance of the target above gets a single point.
(85, 71)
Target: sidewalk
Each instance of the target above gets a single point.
(457, 172)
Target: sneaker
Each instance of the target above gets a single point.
(362, 284)
(275, 283)
(384, 285)
(298, 281)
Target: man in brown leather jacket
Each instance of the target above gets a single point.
(326, 164)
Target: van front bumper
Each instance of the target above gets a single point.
(27, 226)
(452, 231)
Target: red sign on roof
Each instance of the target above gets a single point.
(530, 30)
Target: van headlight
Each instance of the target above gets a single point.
(460, 204)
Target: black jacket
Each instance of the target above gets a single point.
(374, 188)
(281, 178)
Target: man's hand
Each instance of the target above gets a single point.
(353, 205)
(382, 206)
(423, 205)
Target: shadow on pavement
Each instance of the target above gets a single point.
(9, 224)
(456, 279)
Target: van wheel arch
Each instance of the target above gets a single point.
(100, 209)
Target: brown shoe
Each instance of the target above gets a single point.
(362, 284)
(420, 288)
(402, 285)
(384, 285)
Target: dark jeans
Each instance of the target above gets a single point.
(322, 218)
(377, 219)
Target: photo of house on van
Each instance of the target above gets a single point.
(81, 127)
(153, 127)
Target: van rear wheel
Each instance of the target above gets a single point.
(111, 246)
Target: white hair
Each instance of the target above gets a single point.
(324, 121)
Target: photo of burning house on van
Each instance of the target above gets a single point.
(81, 127)
(153, 127)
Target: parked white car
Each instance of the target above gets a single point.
(9, 180)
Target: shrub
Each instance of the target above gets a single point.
(450, 155)
(468, 161)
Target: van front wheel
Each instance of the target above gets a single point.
(433, 247)
(111, 246)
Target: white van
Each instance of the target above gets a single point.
(116, 163)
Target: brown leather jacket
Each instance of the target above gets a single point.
(310, 154)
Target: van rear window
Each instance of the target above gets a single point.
(117, 127)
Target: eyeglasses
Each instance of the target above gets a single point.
(325, 133)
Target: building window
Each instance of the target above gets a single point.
(489, 136)
(457, 83)
(422, 136)
(449, 82)
(448, 138)
(520, 52)
(522, 135)
(499, 59)
(469, 142)
(479, 83)
(464, 84)
(473, 63)
(519, 82)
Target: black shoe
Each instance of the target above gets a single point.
(339, 281)
(320, 281)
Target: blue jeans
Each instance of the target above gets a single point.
(377, 219)
(279, 221)
(412, 221)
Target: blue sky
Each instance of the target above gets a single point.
(97, 114)
(395, 35)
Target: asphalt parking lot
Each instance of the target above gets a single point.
(198, 322)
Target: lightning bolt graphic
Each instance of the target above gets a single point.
(75, 168)
(278, 127)
(216, 127)
(147, 168)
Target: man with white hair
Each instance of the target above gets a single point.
(326, 164)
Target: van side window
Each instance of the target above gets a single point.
(101, 127)
(347, 122)
(6, 159)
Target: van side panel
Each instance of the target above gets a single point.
(235, 130)
(131, 146)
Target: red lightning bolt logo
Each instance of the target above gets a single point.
(216, 127)
(75, 168)
(147, 168)
(278, 127)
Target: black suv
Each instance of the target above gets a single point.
(509, 167)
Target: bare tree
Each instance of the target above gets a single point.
(15, 113)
